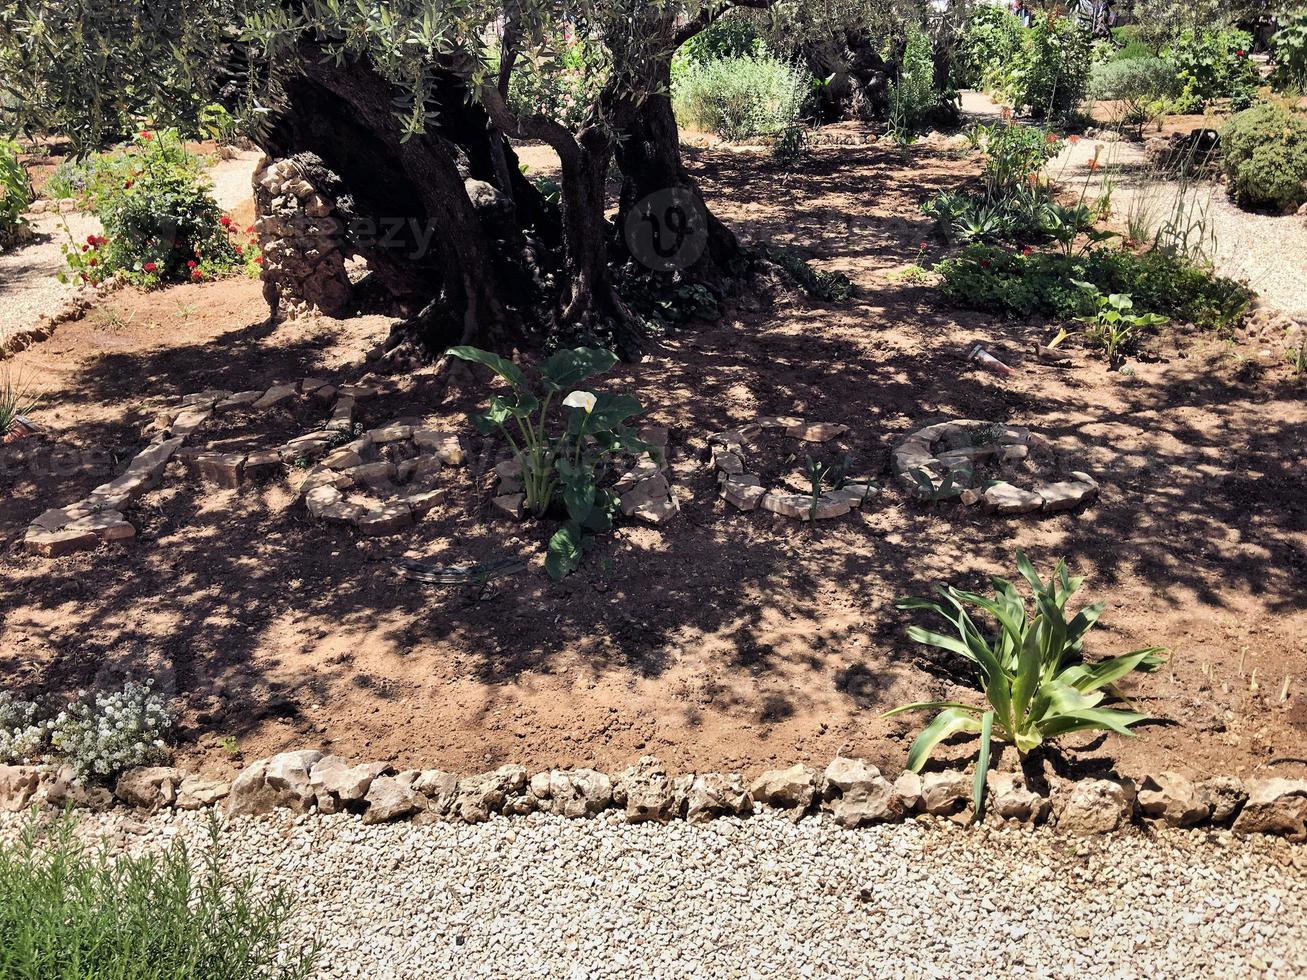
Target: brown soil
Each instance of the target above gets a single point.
(722, 640)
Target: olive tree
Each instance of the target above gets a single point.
(407, 104)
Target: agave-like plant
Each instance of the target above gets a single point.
(1036, 681)
(15, 401)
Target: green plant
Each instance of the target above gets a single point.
(1214, 63)
(912, 95)
(160, 223)
(1052, 72)
(822, 474)
(739, 98)
(990, 43)
(216, 123)
(1297, 356)
(949, 487)
(1113, 326)
(832, 287)
(1137, 86)
(567, 466)
(1265, 156)
(1290, 50)
(1032, 671)
(562, 84)
(105, 733)
(16, 400)
(67, 913)
(727, 37)
(15, 192)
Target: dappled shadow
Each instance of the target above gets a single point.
(735, 627)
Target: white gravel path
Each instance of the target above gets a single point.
(542, 896)
(28, 287)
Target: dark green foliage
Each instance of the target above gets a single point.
(833, 287)
(1215, 64)
(69, 914)
(1265, 151)
(998, 281)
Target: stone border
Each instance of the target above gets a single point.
(644, 490)
(99, 517)
(851, 791)
(744, 491)
(920, 453)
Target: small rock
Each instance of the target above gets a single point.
(1275, 806)
(1174, 799)
(786, 788)
(1095, 806)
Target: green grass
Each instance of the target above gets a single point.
(67, 911)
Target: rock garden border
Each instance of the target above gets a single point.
(946, 447)
(743, 489)
(850, 791)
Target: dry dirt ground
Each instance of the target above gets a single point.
(722, 640)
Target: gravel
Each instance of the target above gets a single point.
(28, 287)
(543, 896)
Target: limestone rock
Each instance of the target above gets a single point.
(480, 796)
(907, 790)
(817, 431)
(945, 794)
(18, 784)
(389, 799)
(1225, 795)
(744, 496)
(1275, 806)
(579, 792)
(1010, 798)
(440, 789)
(716, 794)
(334, 781)
(149, 787)
(511, 505)
(196, 792)
(1174, 799)
(1004, 498)
(856, 793)
(786, 788)
(646, 792)
(1095, 806)
(1066, 494)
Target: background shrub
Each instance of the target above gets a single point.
(15, 192)
(912, 96)
(160, 222)
(1142, 85)
(1053, 70)
(1290, 51)
(1214, 64)
(1265, 151)
(988, 50)
(68, 914)
(562, 87)
(737, 98)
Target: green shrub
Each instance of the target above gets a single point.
(1290, 72)
(563, 87)
(1053, 70)
(160, 223)
(1139, 83)
(88, 180)
(1037, 683)
(1214, 64)
(15, 192)
(69, 914)
(1265, 152)
(912, 95)
(738, 98)
(728, 37)
(990, 45)
(1013, 284)
(1129, 44)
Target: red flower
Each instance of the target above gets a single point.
(1073, 139)
(985, 263)
(1051, 138)
(249, 229)
(258, 260)
(190, 264)
(93, 262)
(197, 275)
(239, 250)
(90, 239)
(1027, 250)
(86, 248)
(225, 221)
(127, 185)
(150, 267)
(1239, 53)
(147, 136)
(925, 245)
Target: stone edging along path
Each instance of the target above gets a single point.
(851, 791)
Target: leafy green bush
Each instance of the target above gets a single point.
(1033, 672)
(1014, 284)
(15, 192)
(1214, 64)
(89, 180)
(568, 467)
(1290, 72)
(1265, 153)
(160, 223)
(1053, 71)
(727, 37)
(912, 96)
(69, 914)
(831, 287)
(738, 98)
(563, 87)
(989, 47)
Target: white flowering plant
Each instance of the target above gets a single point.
(22, 736)
(103, 734)
(564, 468)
